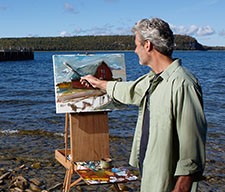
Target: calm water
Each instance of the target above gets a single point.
(27, 93)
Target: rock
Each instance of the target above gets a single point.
(28, 190)
(5, 176)
(36, 165)
(57, 186)
(19, 182)
(34, 188)
(16, 189)
(2, 169)
(22, 166)
(1, 182)
(36, 181)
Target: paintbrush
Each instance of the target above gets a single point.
(72, 69)
(79, 75)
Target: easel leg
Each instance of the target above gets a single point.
(69, 172)
(67, 180)
(75, 182)
(116, 187)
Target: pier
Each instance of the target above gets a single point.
(16, 54)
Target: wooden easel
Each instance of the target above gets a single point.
(89, 141)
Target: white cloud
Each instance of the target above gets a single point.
(205, 30)
(184, 30)
(123, 30)
(193, 30)
(65, 34)
(106, 29)
(79, 31)
(109, 29)
(32, 35)
(70, 8)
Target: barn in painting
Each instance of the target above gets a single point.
(101, 71)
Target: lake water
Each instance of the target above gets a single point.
(27, 107)
(27, 99)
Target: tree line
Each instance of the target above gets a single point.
(87, 43)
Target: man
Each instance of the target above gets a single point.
(169, 140)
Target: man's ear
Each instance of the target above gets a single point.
(148, 45)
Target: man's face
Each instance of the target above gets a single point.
(140, 50)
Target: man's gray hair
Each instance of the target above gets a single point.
(157, 32)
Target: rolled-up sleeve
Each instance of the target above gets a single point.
(110, 87)
(191, 130)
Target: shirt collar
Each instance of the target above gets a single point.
(170, 69)
(167, 73)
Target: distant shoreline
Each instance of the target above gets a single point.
(97, 43)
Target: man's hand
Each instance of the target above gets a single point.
(183, 184)
(90, 80)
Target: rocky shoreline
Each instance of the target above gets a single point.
(35, 169)
(31, 166)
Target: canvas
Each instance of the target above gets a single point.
(70, 95)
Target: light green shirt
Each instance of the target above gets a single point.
(178, 127)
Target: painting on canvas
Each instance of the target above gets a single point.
(71, 96)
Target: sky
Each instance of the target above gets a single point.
(201, 19)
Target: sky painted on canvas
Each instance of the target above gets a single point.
(201, 19)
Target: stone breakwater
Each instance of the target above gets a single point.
(27, 163)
